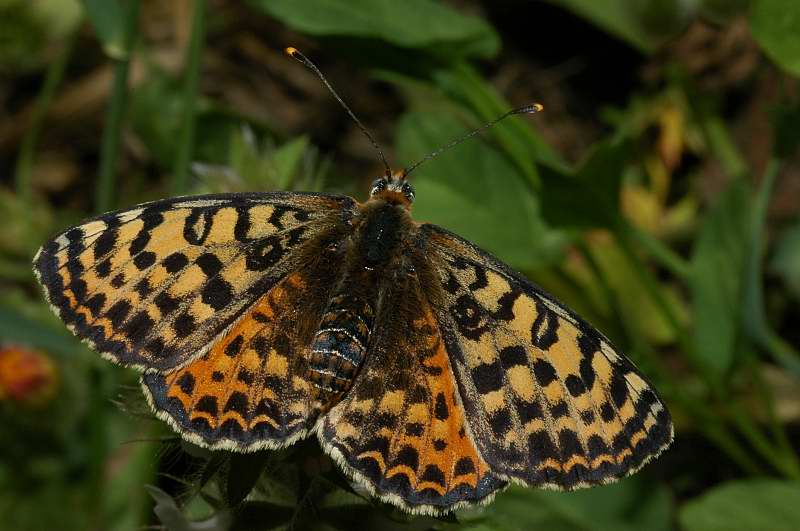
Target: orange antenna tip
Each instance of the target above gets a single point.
(296, 54)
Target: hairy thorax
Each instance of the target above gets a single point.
(375, 254)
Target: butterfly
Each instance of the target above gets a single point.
(430, 371)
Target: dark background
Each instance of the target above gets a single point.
(657, 194)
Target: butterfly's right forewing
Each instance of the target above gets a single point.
(549, 401)
(155, 285)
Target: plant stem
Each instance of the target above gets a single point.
(665, 256)
(115, 114)
(52, 80)
(187, 132)
(778, 432)
(762, 445)
(711, 425)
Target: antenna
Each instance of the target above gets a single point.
(296, 54)
(531, 108)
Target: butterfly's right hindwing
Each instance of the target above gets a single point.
(154, 285)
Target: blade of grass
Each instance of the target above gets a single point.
(105, 381)
(753, 314)
(787, 466)
(190, 88)
(608, 292)
(778, 431)
(626, 242)
(718, 433)
(52, 80)
(722, 146)
(665, 256)
(115, 114)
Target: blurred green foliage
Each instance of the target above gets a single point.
(657, 195)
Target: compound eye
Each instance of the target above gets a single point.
(378, 185)
(408, 191)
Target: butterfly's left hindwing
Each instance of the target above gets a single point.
(549, 402)
(251, 390)
(153, 286)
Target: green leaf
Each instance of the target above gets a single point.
(621, 18)
(786, 260)
(409, 24)
(628, 505)
(287, 160)
(716, 281)
(590, 198)
(475, 192)
(775, 25)
(171, 516)
(40, 329)
(108, 20)
(745, 505)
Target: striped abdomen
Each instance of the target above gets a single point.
(340, 344)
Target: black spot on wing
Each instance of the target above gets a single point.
(197, 225)
(207, 404)
(264, 254)
(237, 402)
(440, 409)
(217, 293)
(544, 332)
(513, 356)
(544, 371)
(488, 377)
(209, 264)
(186, 383)
(175, 262)
(574, 385)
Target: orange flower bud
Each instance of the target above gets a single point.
(26, 376)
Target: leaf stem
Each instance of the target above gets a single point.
(190, 89)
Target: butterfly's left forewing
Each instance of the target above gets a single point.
(549, 401)
(214, 297)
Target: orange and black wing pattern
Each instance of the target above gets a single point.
(154, 285)
(204, 294)
(250, 390)
(401, 430)
(548, 400)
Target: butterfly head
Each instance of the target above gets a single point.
(393, 189)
